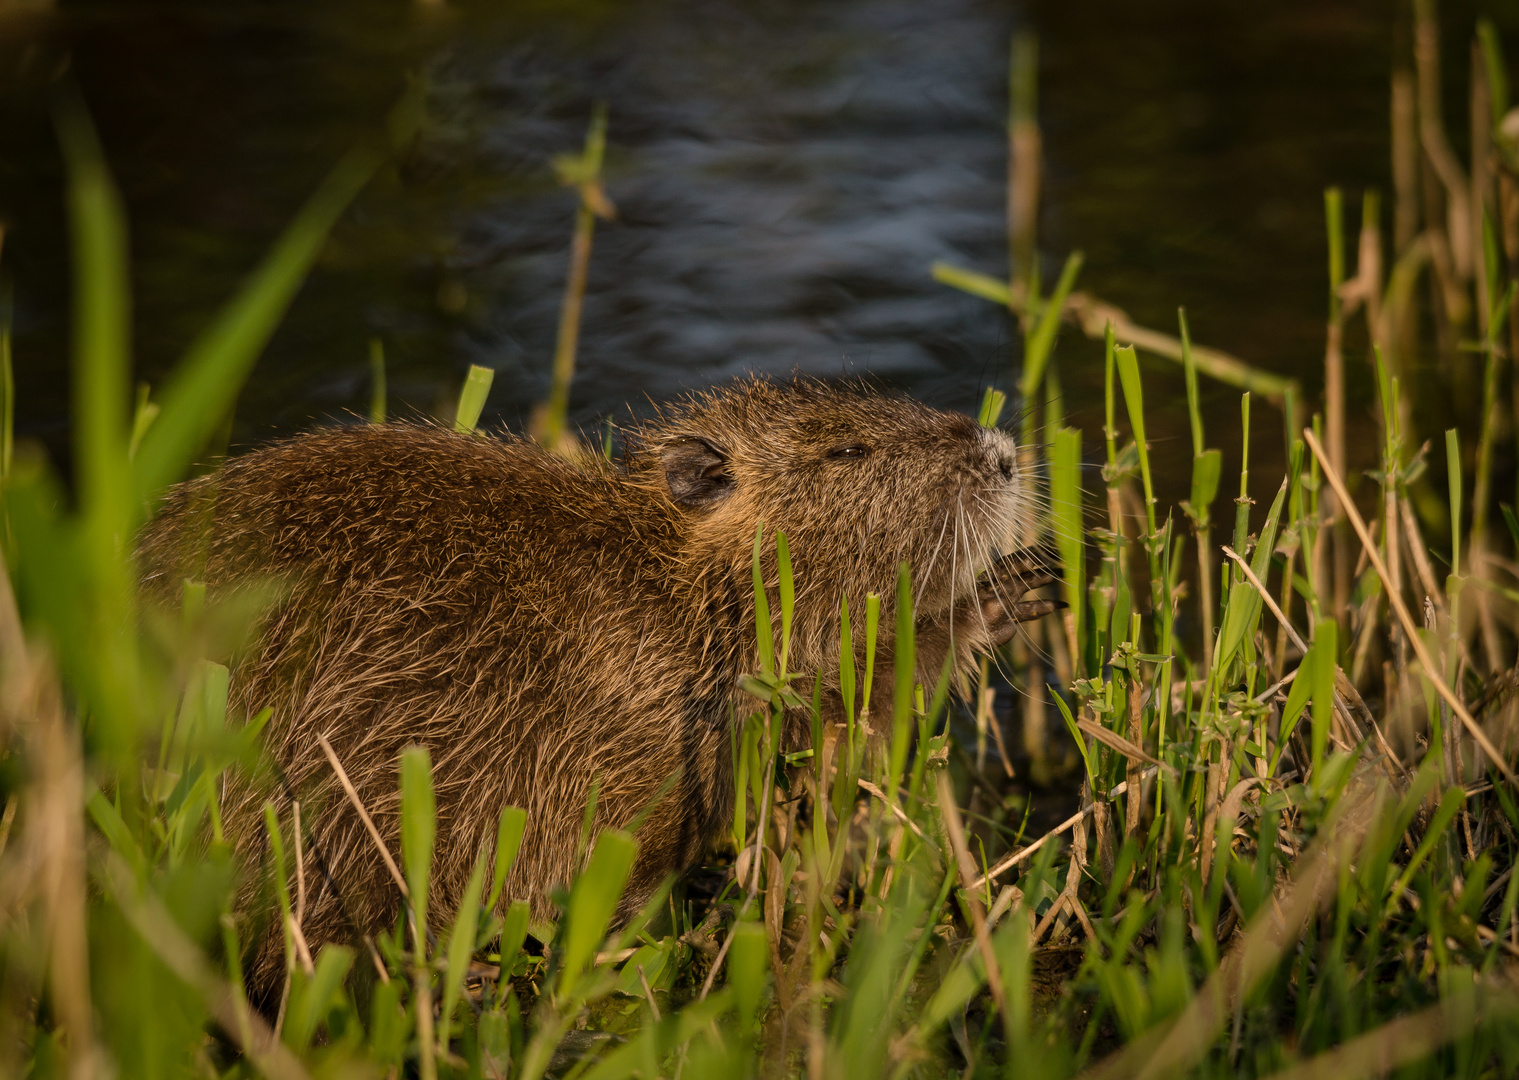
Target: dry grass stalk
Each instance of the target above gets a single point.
(1481, 199)
(891, 804)
(967, 868)
(1129, 749)
(1334, 403)
(358, 805)
(55, 822)
(303, 950)
(1025, 150)
(1366, 288)
(583, 172)
(1419, 555)
(1343, 689)
(51, 861)
(1405, 160)
(1026, 653)
(1431, 669)
(1094, 315)
(1215, 778)
(1024, 854)
(1135, 794)
(1437, 150)
(1390, 535)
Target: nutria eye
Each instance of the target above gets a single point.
(853, 450)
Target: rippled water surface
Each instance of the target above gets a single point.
(784, 174)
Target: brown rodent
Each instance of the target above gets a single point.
(540, 625)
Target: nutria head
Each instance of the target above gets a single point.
(859, 482)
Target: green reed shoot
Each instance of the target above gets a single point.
(992, 404)
(583, 173)
(1040, 342)
(1207, 468)
(377, 388)
(509, 830)
(904, 679)
(477, 387)
(1453, 477)
(1069, 529)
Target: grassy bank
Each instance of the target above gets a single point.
(1291, 846)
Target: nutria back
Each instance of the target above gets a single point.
(543, 627)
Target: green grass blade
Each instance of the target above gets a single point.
(1453, 475)
(1242, 504)
(281, 882)
(1326, 644)
(1497, 71)
(1080, 739)
(312, 999)
(101, 372)
(1450, 803)
(513, 934)
(748, 967)
(477, 386)
(1066, 512)
(592, 902)
(872, 631)
(1207, 470)
(109, 821)
(461, 946)
(142, 418)
(1334, 222)
(788, 595)
(763, 631)
(846, 665)
(1133, 399)
(509, 831)
(1511, 522)
(904, 676)
(1242, 612)
(1189, 366)
(7, 398)
(377, 388)
(1041, 342)
(1297, 698)
(418, 824)
(970, 281)
(992, 405)
(102, 321)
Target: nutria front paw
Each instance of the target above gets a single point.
(999, 591)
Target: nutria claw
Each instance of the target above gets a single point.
(1007, 579)
(1014, 574)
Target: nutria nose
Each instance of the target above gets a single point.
(1001, 452)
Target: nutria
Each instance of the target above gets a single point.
(542, 626)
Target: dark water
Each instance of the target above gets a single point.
(784, 172)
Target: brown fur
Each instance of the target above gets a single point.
(542, 626)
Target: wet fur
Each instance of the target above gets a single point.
(541, 626)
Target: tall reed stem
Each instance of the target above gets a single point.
(582, 172)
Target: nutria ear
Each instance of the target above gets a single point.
(695, 472)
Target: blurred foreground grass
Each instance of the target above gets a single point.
(1292, 852)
